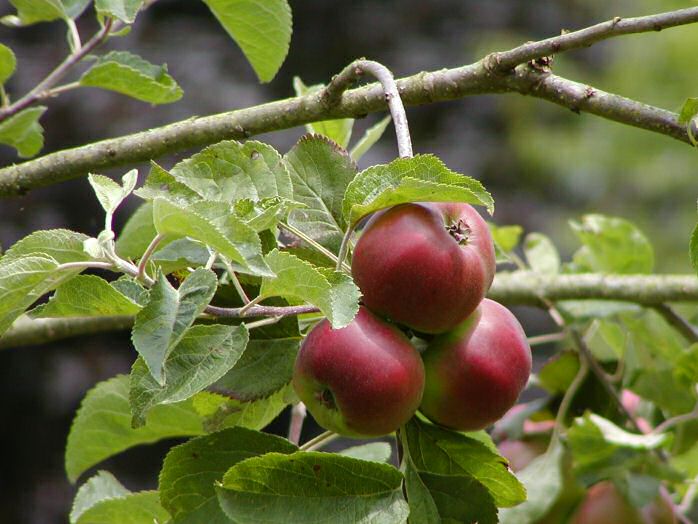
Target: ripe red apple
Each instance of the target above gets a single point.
(604, 504)
(363, 380)
(425, 265)
(476, 372)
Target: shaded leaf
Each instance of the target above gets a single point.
(312, 487)
(8, 62)
(541, 253)
(23, 131)
(102, 486)
(135, 508)
(374, 451)
(137, 233)
(102, 426)
(190, 470)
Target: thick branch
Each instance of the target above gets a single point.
(485, 76)
(528, 288)
(590, 35)
(517, 288)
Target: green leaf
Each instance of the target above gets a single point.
(137, 234)
(688, 110)
(23, 131)
(320, 171)
(135, 508)
(265, 367)
(102, 486)
(225, 234)
(62, 245)
(181, 254)
(87, 296)
(102, 425)
(423, 178)
(612, 245)
(693, 249)
(459, 499)
(8, 62)
(162, 323)
(131, 289)
(21, 283)
(437, 450)
(190, 470)
(262, 29)
(266, 213)
(132, 76)
(221, 412)
(334, 293)
(109, 193)
(161, 183)
(423, 509)
(541, 253)
(338, 131)
(312, 487)
(505, 238)
(203, 355)
(230, 171)
(369, 138)
(33, 11)
(602, 450)
(374, 451)
(124, 10)
(543, 480)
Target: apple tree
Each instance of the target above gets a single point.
(255, 281)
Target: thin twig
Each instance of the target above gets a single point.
(148, 253)
(260, 311)
(43, 87)
(567, 399)
(263, 322)
(344, 248)
(341, 82)
(679, 323)
(236, 282)
(298, 412)
(546, 339)
(85, 265)
(617, 26)
(675, 421)
(322, 249)
(319, 441)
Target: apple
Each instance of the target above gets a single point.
(475, 373)
(363, 380)
(604, 504)
(424, 265)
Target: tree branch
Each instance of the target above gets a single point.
(529, 288)
(516, 288)
(493, 74)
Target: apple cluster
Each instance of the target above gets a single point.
(423, 269)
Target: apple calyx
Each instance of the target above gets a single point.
(460, 231)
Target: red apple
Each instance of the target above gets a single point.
(475, 373)
(363, 380)
(604, 504)
(425, 265)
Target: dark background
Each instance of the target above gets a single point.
(543, 164)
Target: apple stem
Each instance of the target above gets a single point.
(344, 248)
(332, 94)
(319, 441)
(298, 412)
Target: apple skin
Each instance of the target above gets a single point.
(475, 373)
(363, 380)
(604, 504)
(413, 270)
